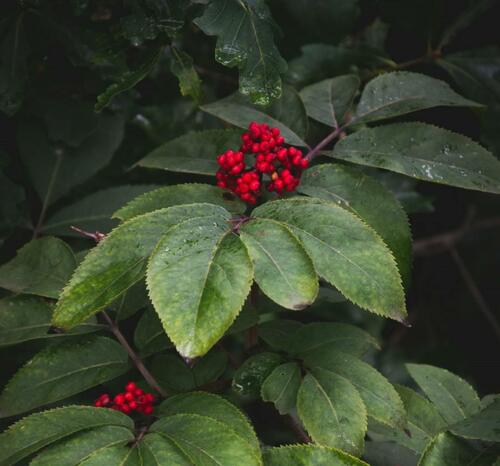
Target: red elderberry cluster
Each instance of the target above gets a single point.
(133, 399)
(281, 167)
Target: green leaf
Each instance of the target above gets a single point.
(198, 277)
(278, 333)
(207, 441)
(380, 398)
(158, 450)
(329, 336)
(41, 267)
(424, 422)
(34, 432)
(446, 450)
(180, 194)
(244, 31)
(368, 199)
(393, 94)
(310, 455)
(183, 68)
(119, 261)
(424, 152)
(92, 213)
(194, 152)
(288, 114)
(116, 455)
(55, 168)
(250, 376)
(214, 407)
(82, 445)
(133, 300)
(454, 398)
(345, 252)
(281, 387)
(329, 101)
(389, 454)
(58, 372)
(150, 336)
(332, 411)
(23, 318)
(283, 270)
(484, 425)
(128, 79)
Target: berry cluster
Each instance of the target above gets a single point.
(280, 166)
(134, 399)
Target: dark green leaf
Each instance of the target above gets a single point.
(150, 336)
(117, 455)
(484, 425)
(244, 31)
(92, 213)
(82, 445)
(310, 455)
(332, 411)
(367, 198)
(34, 432)
(283, 270)
(159, 450)
(278, 333)
(454, 398)
(42, 267)
(288, 114)
(400, 92)
(119, 261)
(198, 278)
(250, 376)
(133, 300)
(189, 81)
(424, 152)
(328, 101)
(194, 152)
(389, 454)
(58, 372)
(345, 252)
(281, 387)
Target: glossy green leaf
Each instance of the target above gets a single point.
(194, 152)
(56, 168)
(198, 277)
(214, 407)
(34, 432)
(80, 446)
(250, 376)
(207, 441)
(133, 300)
(380, 398)
(41, 267)
(149, 335)
(288, 114)
(183, 68)
(393, 94)
(484, 425)
(446, 450)
(23, 318)
(281, 386)
(310, 455)
(283, 270)
(92, 213)
(332, 411)
(424, 152)
(328, 101)
(329, 336)
(180, 194)
(116, 455)
(159, 450)
(454, 398)
(244, 31)
(119, 261)
(345, 252)
(128, 79)
(278, 333)
(58, 372)
(368, 199)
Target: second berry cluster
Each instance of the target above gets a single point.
(276, 167)
(133, 399)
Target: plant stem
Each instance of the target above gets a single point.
(135, 358)
(315, 150)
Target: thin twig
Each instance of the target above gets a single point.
(315, 150)
(474, 291)
(135, 358)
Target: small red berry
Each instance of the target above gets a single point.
(119, 399)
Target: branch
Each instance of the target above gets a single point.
(135, 358)
(315, 150)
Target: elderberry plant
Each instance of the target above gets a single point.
(214, 265)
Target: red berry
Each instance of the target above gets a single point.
(125, 409)
(150, 397)
(138, 392)
(119, 399)
(133, 405)
(147, 409)
(129, 396)
(254, 185)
